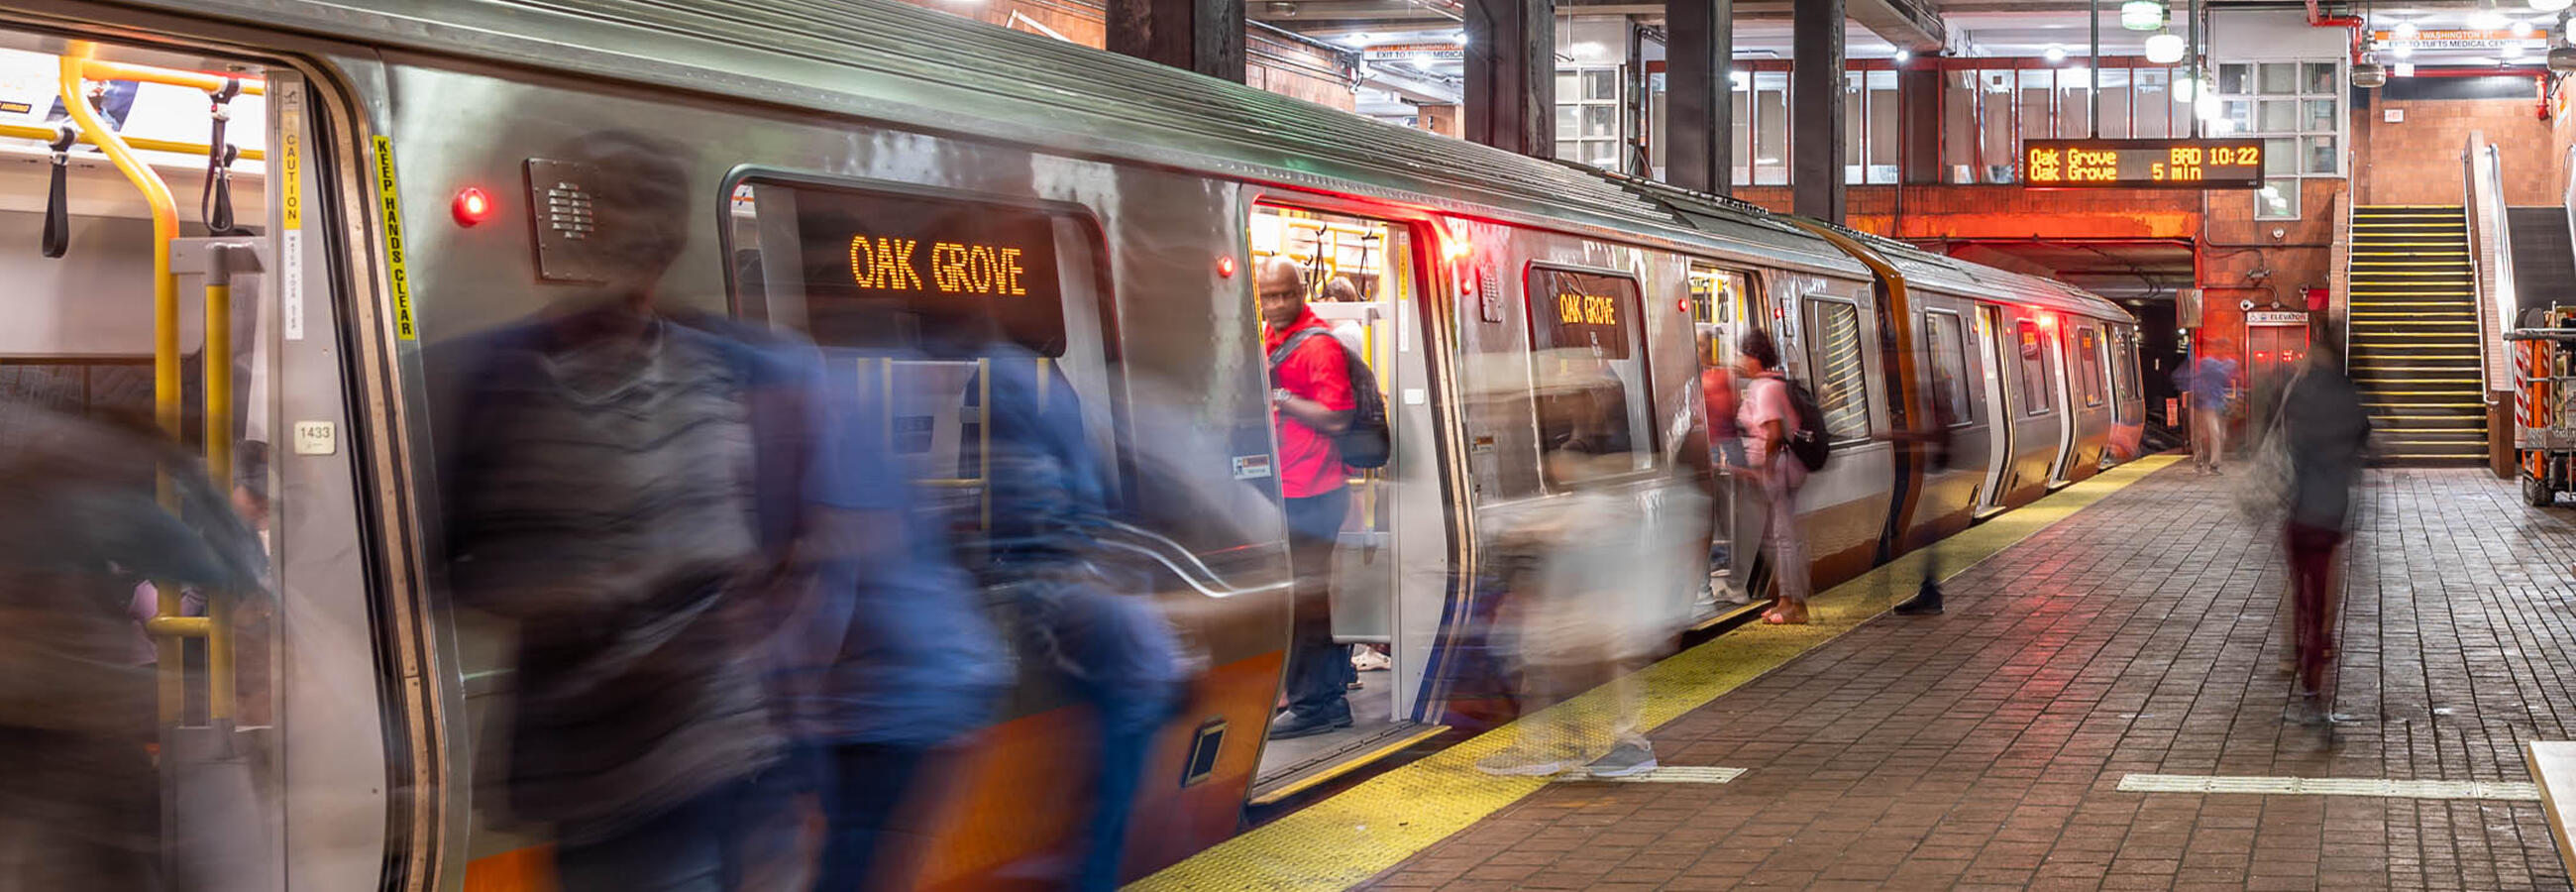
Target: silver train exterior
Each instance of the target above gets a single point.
(360, 774)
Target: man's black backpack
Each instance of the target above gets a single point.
(1365, 443)
(1811, 444)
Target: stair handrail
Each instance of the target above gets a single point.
(2490, 246)
(2339, 276)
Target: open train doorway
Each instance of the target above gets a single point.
(1724, 303)
(1380, 603)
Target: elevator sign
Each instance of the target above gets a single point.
(2142, 163)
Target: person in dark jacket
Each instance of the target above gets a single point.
(2329, 437)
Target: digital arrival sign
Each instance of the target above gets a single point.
(2142, 163)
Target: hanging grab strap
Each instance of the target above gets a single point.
(58, 213)
(215, 203)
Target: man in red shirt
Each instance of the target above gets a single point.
(1310, 401)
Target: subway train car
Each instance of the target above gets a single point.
(400, 186)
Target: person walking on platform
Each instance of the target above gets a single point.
(1725, 452)
(2211, 382)
(1310, 401)
(2328, 440)
(1931, 445)
(1769, 417)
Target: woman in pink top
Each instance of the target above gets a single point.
(1769, 418)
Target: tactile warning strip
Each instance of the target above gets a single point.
(1352, 835)
(2520, 791)
(1669, 774)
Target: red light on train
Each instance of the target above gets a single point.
(472, 206)
(2048, 321)
(1225, 266)
(1683, 305)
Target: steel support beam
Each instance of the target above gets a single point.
(1511, 75)
(1699, 110)
(1205, 36)
(1911, 24)
(1816, 137)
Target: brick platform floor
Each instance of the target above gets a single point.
(1982, 749)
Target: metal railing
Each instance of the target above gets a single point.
(2490, 246)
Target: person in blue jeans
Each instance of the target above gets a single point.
(2211, 381)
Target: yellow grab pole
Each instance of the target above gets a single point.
(22, 131)
(119, 71)
(165, 320)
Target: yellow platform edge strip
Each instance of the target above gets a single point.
(1357, 834)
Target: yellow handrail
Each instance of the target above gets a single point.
(167, 623)
(96, 69)
(24, 131)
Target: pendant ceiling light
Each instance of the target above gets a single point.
(2165, 48)
(2146, 15)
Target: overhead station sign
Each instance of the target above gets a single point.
(2461, 40)
(2142, 163)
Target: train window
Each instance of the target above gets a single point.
(2036, 396)
(1841, 377)
(1947, 341)
(940, 302)
(1586, 356)
(2088, 358)
(2124, 377)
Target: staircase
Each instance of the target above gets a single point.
(2414, 333)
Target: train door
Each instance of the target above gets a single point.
(1726, 300)
(2276, 352)
(2002, 410)
(184, 375)
(1363, 280)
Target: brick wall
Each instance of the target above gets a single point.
(2417, 160)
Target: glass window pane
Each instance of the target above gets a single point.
(2322, 157)
(1601, 85)
(1840, 375)
(1950, 366)
(2279, 78)
(2036, 88)
(2075, 102)
(2278, 201)
(1855, 124)
(2321, 116)
(2035, 345)
(2239, 115)
(1565, 91)
(1959, 128)
(1999, 151)
(2235, 78)
(2155, 108)
(1565, 116)
(2088, 359)
(1743, 154)
(1600, 120)
(1885, 137)
(1771, 148)
(2280, 157)
(2321, 78)
(2279, 116)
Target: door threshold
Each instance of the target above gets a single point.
(1731, 615)
(1357, 755)
(1991, 510)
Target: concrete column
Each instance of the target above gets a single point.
(1699, 107)
(1205, 36)
(1919, 97)
(1816, 111)
(1511, 75)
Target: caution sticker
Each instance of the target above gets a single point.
(290, 236)
(390, 203)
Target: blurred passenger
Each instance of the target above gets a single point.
(1593, 601)
(2329, 438)
(1045, 559)
(1769, 417)
(1310, 400)
(1726, 452)
(2211, 383)
(79, 802)
(1930, 445)
(629, 490)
